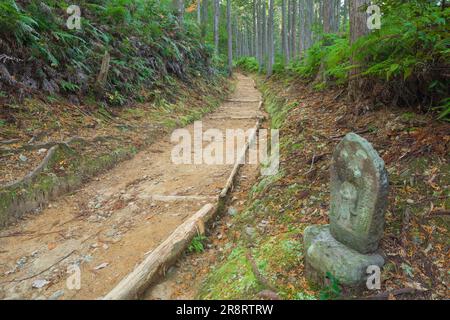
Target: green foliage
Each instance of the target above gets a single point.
(234, 279)
(444, 109)
(413, 37)
(332, 53)
(304, 296)
(143, 38)
(407, 55)
(14, 20)
(332, 291)
(248, 64)
(197, 244)
(68, 86)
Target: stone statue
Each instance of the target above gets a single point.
(359, 190)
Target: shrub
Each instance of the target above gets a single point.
(248, 64)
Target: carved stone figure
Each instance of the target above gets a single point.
(359, 190)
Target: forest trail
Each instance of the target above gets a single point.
(108, 226)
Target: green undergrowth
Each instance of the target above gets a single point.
(147, 48)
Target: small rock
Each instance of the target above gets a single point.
(101, 266)
(92, 218)
(41, 151)
(21, 262)
(87, 258)
(232, 211)
(410, 201)
(250, 231)
(40, 283)
(111, 233)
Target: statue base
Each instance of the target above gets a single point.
(324, 254)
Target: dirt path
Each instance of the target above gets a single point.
(183, 281)
(109, 225)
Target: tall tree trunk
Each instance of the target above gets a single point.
(337, 15)
(289, 28)
(249, 39)
(235, 37)
(284, 33)
(270, 42)
(330, 17)
(178, 6)
(294, 30)
(345, 15)
(230, 38)
(309, 11)
(260, 36)
(264, 30)
(216, 25)
(302, 31)
(204, 18)
(358, 28)
(199, 12)
(255, 31)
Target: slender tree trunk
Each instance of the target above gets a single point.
(328, 16)
(235, 37)
(345, 15)
(230, 38)
(260, 36)
(178, 6)
(337, 15)
(289, 28)
(309, 12)
(270, 42)
(358, 28)
(248, 39)
(284, 33)
(216, 25)
(264, 30)
(294, 30)
(199, 12)
(255, 31)
(302, 33)
(204, 18)
(331, 16)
